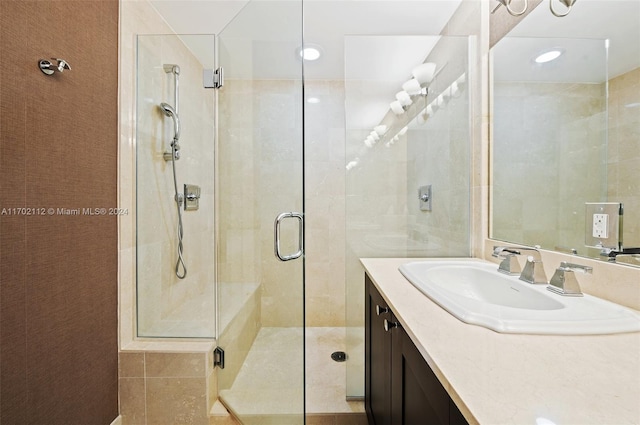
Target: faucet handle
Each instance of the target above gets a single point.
(533, 272)
(509, 265)
(564, 281)
(573, 266)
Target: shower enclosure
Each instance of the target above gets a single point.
(271, 144)
(212, 272)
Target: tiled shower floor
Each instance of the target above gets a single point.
(268, 388)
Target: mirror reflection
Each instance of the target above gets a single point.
(566, 126)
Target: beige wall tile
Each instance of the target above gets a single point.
(212, 385)
(131, 365)
(624, 151)
(177, 401)
(132, 401)
(564, 127)
(176, 365)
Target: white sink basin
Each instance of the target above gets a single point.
(476, 293)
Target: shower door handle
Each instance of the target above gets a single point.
(276, 245)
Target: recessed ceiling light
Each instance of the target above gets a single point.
(549, 56)
(310, 53)
(313, 100)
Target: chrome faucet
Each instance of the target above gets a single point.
(509, 264)
(533, 271)
(564, 280)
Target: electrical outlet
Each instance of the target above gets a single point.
(601, 226)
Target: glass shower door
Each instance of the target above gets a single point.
(259, 177)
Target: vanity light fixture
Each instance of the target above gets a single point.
(412, 87)
(424, 73)
(549, 55)
(380, 129)
(506, 3)
(404, 98)
(397, 108)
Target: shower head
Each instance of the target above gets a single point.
(170, 112)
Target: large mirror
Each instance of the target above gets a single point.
(566, 131)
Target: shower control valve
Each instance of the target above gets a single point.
(191, 197)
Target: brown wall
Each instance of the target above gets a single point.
(58, 273)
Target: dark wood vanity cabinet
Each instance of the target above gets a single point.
(378, 346)
(400, 387)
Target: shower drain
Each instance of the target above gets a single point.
(339, 356)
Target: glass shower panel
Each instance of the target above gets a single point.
(167, 305)
(427, 144)
(260, 175)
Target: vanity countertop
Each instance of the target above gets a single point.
(499, 378)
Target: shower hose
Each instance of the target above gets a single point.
(181, 268)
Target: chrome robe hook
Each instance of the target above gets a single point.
(49, 68)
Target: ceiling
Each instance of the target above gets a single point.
(380, 41)
(326, 22)
(377, 42)
(582, 35)
(261, 41)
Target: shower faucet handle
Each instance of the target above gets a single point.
(191, 197)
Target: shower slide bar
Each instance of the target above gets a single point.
(173, 156)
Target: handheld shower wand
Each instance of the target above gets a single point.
(173, 156)
(170, 112)
(175, 151)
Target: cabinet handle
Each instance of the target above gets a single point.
(381, 310)
(390, 325)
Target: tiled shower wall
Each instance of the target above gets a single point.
(624, 151)
(439, 155)
(261, 176)
(325, 204)
(168, 306)
(562, 125)
(565, 126)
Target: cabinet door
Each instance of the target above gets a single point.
(400, 387)
(377, 358)
(418, 398)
